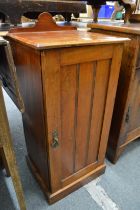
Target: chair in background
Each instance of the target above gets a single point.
(6, 147)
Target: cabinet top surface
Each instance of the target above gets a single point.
(59, 39)
(130, 28)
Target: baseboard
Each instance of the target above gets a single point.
(53, 197)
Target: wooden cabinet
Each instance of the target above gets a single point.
(68, 85)
(126, 117)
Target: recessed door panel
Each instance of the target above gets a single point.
(83, 97)
(134, 106)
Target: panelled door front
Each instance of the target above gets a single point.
(134, 106)
(75, 83)
(132, 120)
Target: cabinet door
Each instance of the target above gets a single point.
(79, 83)
(134, 108)
(132, 120)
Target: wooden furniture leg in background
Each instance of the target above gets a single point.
(8, 153)
(95, 13)
(129, 9)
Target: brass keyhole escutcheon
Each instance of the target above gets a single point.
(55, 140)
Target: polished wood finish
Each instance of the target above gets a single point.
(126, 117)
(135, 18)
(7, 152)
(68, 88)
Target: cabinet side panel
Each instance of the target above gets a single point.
(27, 62)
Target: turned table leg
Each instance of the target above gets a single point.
(95, 13)
(129, 9)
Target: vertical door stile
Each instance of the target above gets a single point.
(51, 89)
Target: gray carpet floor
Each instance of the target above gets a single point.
(120, 184)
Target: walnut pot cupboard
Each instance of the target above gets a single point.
(68, 86)
(125, 126)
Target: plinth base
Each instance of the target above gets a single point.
(53, 197)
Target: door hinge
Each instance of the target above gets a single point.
(127, 115)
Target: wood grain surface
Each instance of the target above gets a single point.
(125, 126)
(68, 80)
